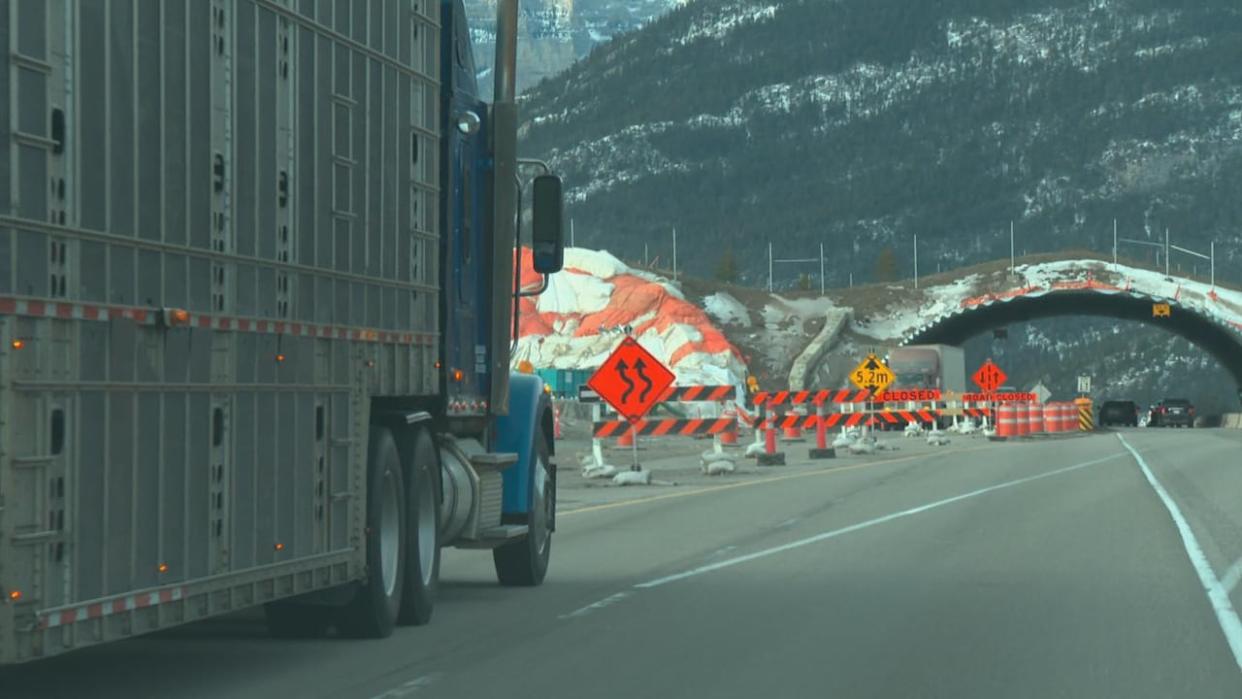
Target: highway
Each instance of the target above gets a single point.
(1058, 567)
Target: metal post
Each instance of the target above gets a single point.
(769, 268)
(1213, 264)
(916, 260)
(674, 253)
(646, 260)
(634, 449)
(1011, 255)
(1166, 252)
(821, 269)
(572, 242)
(1114, 245)
(851, 280)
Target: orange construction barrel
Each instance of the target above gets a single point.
(1052, 418)
(1023, 418)
(1006, 420)
(1035, 418)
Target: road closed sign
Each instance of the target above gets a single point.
(631, 380)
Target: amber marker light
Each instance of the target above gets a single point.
(15, 595)
(163, 567)
(458, 375)
(18, 344)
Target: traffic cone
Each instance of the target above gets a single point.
(822, 450)
(729, 436)
(626, 438)
(556, 422)
(770, 456)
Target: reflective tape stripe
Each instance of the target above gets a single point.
(79, 311)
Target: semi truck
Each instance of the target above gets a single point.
(257, 295)
(940, 367)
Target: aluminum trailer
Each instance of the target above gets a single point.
(256, 299)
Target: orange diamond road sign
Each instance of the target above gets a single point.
(989, 377)
(871, 374)
(631, 380)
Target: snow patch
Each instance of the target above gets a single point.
(726, 309)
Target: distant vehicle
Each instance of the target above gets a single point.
(1172, 412)
(940, 367)
(1119, 412)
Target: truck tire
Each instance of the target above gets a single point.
(525, 562)
(374, 609)
(422, 557)
(293, 620)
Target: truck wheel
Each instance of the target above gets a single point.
(292, 620)
(422, 556)
(525, 562)
(373, 611)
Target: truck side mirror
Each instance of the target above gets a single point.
(548, 231)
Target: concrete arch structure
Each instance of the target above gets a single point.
(1218, 336)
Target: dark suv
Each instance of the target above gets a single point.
(1172, 412)
(1119, 412)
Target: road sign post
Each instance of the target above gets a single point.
(632, 381)
(874, 376)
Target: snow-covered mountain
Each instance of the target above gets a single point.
(556, 33)
(861, 123)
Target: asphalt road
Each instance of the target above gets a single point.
(1039, 569)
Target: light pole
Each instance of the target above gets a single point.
(1011, 255)
(821, 269)
(674, 253)
(916, 260)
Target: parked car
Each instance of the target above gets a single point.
(1172, 412)
(1119, 412)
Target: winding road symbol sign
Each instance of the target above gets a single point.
(631, 380)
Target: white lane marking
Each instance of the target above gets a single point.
(863, 525)
(595, 606)
(1217, 594)
(408, 688)
(1231, 577)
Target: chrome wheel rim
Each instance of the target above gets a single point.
(390, 535)
(426, 531)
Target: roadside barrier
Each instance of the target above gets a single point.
(1051, 414)
(1086, 420)
(1035, 423)
(1007, 421)
(1022, 418)
(659, 428)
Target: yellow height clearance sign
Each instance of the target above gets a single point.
(871, 374)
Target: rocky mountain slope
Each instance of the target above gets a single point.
(860, 123)
(555, 33)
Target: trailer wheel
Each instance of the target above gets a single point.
(525, 562)
(422, 568)
(292, 620)
(373, 611)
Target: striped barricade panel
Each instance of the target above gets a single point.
(704, 394)
(659, 428)
(815, 397)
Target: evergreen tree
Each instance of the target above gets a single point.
(886, 266)
(726, 268)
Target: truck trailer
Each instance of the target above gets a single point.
(257, 295)
(940, 367)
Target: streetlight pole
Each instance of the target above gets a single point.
(674, 253)
(769, 267)
(1166, 252)
(1011, 255)
(821, 269)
